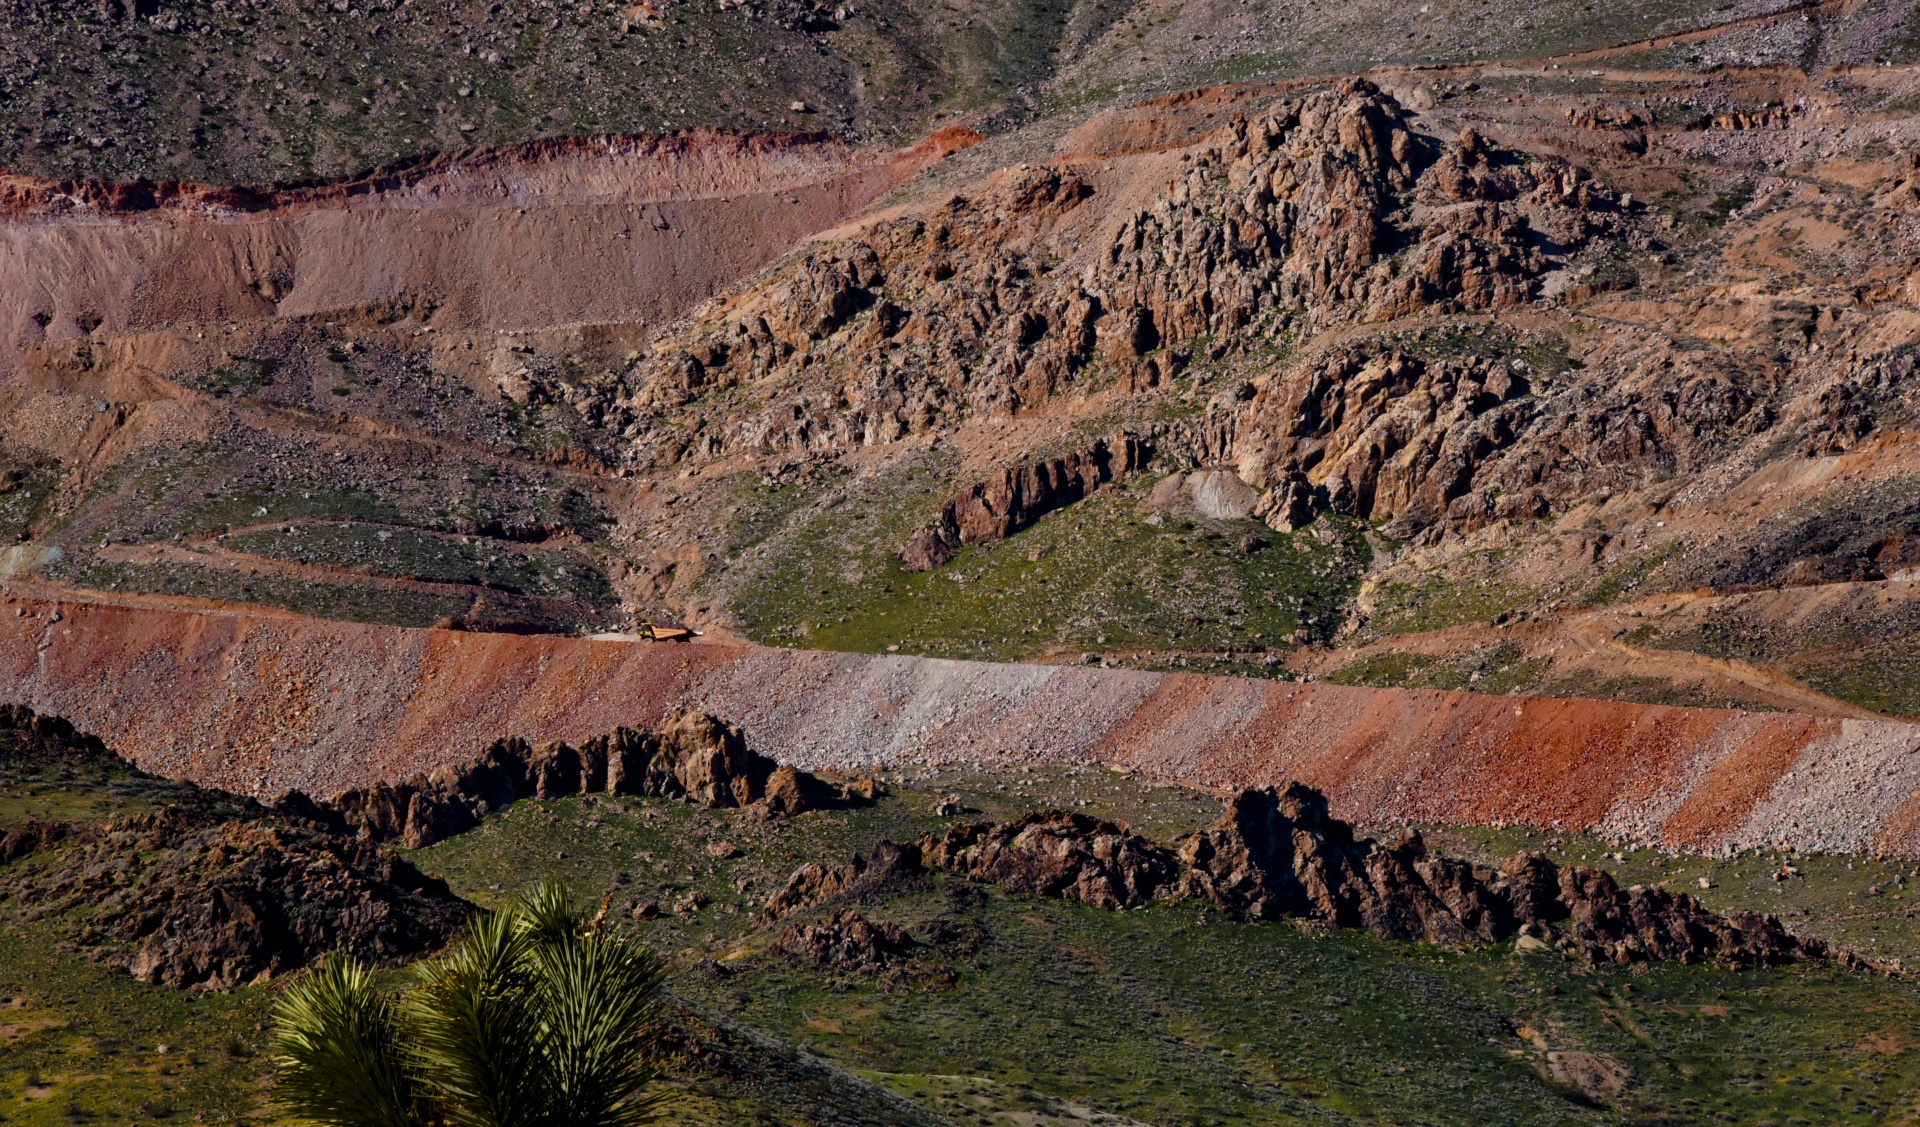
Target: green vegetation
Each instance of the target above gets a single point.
(441, 558)
(242, 376)
(1496, 668)
(1407, 608)
(1169, 1015)
(1885, 679)
(1539, 352)
(1012, 1010)
(1100, 575)
(345, 601)
(26, 483)
(1632, 573)
(541, 1016)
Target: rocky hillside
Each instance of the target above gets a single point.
(190, 887)
(236, 92)
(1584, 374)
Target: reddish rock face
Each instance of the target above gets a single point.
(399, 704)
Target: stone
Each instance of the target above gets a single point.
(1061, 855)
(225, 903)
(845, 940)
(694, 757)
(890, 868)
(1221, 495)
(1277, 853)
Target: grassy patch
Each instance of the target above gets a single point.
(1886, 680)
(1094, 576)
(1632, 573)
(441, 558)
(1496, 668)
(240, 377)
(1407, 608)
(1022, 1012)
(1173, 1015)
(27, 481)
(346, 601)
(83, 1043)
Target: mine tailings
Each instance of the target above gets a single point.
(264, 703)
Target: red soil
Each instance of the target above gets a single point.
(557, 233)
(263, 703)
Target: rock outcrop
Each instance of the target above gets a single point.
(237, 902)
(208, 890)
(694, 757)
(1328, 209)
(1013, 499)
(891, 869)
(1277, 854)
(1059, 855)
(845, 940)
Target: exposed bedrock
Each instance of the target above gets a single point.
(1278, 854)
(264, 704)
(208, 890)
(694, 757)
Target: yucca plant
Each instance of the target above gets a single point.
(541, 1018)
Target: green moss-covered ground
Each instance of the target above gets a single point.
(1099, 575)
(1017, 1011)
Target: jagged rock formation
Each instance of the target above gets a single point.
(1327, 210)
(845, 940)
(236, 902)
(694, 757)
(209, 890)
(1277, 854)
(1064, 856)
(1386, 436)
(1014, 498)
(890, 869)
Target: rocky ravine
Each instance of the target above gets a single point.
(1276, 854)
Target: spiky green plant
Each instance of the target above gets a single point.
(337, 1050)
(541, 1018)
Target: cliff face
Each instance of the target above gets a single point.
(263, 704)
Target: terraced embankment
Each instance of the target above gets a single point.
(558, 233)
(260, 704)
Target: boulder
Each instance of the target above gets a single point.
(1221, 494)
(845, 940)
(1055, 854)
